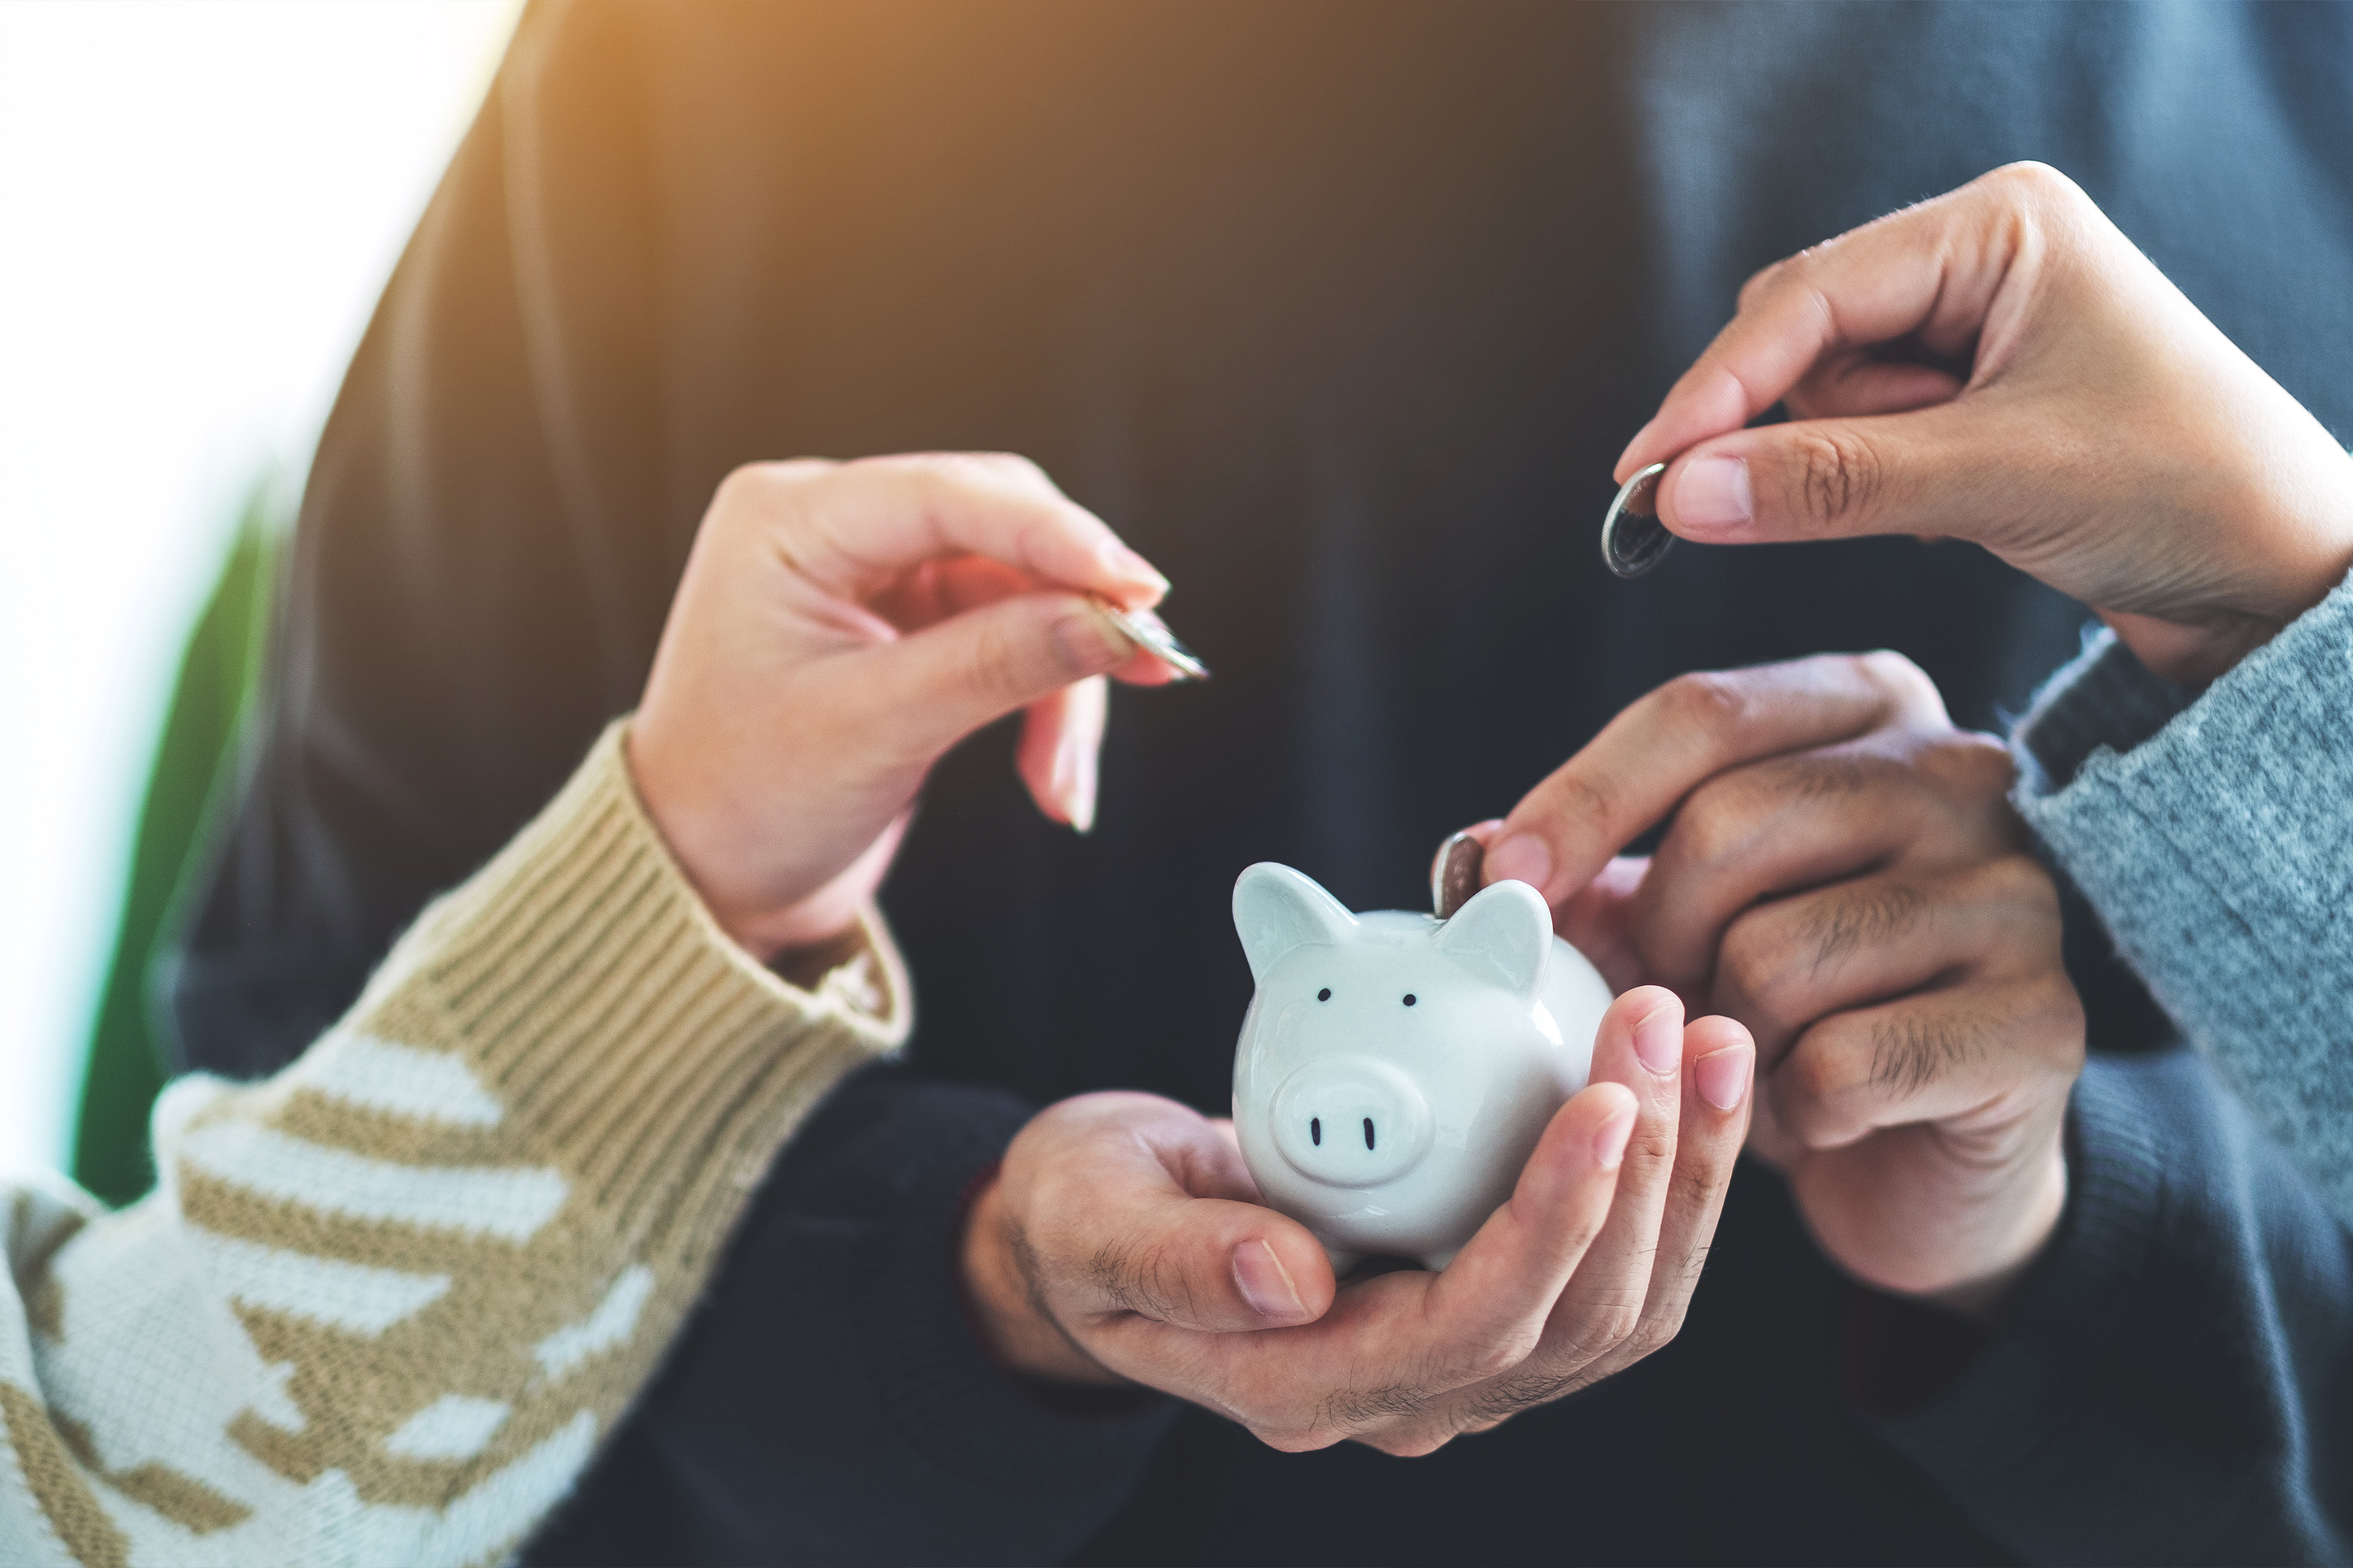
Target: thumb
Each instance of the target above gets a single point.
(1935, 472)
(928, 690)
(1154, 1222)
(1215, 1264)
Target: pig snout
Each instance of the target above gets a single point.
(1350, 1122)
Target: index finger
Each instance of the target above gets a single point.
(1667, 744)
(854, 526)
(1931, 270)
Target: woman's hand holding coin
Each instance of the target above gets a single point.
(2000, 364)
(839, 627)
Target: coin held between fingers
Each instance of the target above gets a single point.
(1633, 539)
(1454, 873)
(1147, 631)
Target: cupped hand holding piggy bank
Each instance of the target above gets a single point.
(1396, 1071)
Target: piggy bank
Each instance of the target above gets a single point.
(1396, 1070)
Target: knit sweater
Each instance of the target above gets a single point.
(2215, 838)
(382, 1307)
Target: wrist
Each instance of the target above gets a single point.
(2288, 531)
(1979, 1297)
(665, 795)
(1008, 1316)
(747, 877)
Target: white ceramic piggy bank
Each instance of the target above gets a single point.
(1396, 1071)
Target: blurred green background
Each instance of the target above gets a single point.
(191, 779)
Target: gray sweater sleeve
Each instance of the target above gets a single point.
(2215, 838)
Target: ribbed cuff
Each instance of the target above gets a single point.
(2245, 787)
(623, 1036)
(2216, 853)
(2102, 697)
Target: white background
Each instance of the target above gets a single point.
(199, 202)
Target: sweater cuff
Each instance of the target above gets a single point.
(616, 1029)
(2216, 854)
(2103, 698)
(2228, 788)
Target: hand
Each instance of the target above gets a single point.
(2000, 364)
(1842, 875)
(1123, 1239)
(841, 624)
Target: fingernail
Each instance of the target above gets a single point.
(1088, 642)
(1722, 1077)
(1074, 772)
(1265, 1283)
(1712, 496)
(1521, 857)
(1610, 1139)
(1123, 563)
(1659, 1040)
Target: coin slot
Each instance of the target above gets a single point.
(1316, 1130)
(1369, 1132)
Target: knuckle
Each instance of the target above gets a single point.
(1603, 1328)
(1573, 795)
(1494, 1357)
(948, 478)
(1295, 1439)
(758, 485)
(1975, 766)
(1838, 474)
(1861, 917)
(2035, 183)
(996, 669)
(1760, 283)
(1354, 1411)
(1752, 971)
(1410, 1443)
(1715, 823)
(1841, 775)
(1009, 466)
(1713, 702)
(1912, 1048)
(1651, 1146)
(1136, 1278)
(2020, 883)
(1493, 1406)
(1899, 679)
(1817, 1075)
(1657, 1331)
(746, 479)
(993, 472)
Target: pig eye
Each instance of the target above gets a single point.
(1409, 998)
(1325, 994)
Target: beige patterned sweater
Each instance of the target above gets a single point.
(382, 1307)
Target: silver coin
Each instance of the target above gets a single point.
(1454, 873)
(1633, 539)
(1151, 634)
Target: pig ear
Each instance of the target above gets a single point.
(1503, 933)
(1277, 909)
